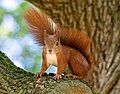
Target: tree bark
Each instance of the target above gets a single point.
(14, 80)
(101, 19)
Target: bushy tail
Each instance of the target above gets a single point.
(38, 22)
(78, 40)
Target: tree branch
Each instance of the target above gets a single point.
(14, 80)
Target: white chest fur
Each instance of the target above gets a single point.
(51, 59)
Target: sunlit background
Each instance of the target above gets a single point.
(15, 40)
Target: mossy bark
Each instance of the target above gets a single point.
(101, 19)
(14, 80)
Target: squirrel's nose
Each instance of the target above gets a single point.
(50, 50)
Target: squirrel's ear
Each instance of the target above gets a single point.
(45, 33)
(57, 33)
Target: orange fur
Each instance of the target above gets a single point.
(75, 45)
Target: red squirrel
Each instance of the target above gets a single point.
(63, 48)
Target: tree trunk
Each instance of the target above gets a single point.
(101, 19)
(14, 80)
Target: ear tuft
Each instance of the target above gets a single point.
(57, 33)
(45, 33)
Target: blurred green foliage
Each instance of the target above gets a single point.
(30, 55)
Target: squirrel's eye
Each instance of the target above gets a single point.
(57, 43)
(44, 43)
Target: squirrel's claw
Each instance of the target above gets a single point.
(38, 75)
(57, 77)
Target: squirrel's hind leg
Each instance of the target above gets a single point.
(78, 65)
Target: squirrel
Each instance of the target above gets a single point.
(62, 47)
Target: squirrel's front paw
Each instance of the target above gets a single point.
(38, 75)
(57, 77)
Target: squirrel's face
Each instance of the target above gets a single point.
(51, 43)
